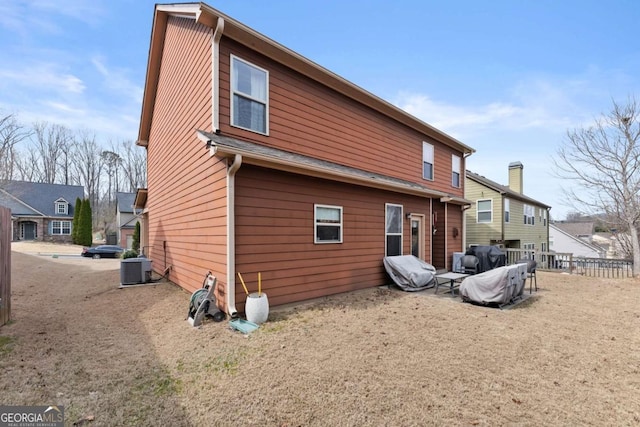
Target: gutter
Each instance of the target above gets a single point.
(231, 236)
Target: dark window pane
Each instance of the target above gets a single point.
(394, 245)
(427, 170)
(327, 233)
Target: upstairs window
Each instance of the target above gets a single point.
(328, 224)
(485, 210)
(62, 208)
(455, 171)
(427, 161)
(507, 210)
(529, 215)
(249, 92)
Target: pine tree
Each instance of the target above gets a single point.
(85, 236)
(135, 245)
(75, 223)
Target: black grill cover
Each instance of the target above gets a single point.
(490, 257)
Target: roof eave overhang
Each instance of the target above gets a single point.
(239, 32)
(140, 202)
(318, 171)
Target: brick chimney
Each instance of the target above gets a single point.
(515, 177)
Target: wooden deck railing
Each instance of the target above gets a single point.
(566, 262)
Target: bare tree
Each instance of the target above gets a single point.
(87, 165)
(51, 141)
(24, 169)
(11, 133)
(134, 165)
(603, 162)
(111, 161)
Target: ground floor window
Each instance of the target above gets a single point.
(328, 224)
(393, 230)
(60, 227)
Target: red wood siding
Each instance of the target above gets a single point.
(187, 188)
(275, 235)
(307, 118)
(454, 239)
(440, 224)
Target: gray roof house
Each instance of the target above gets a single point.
(126, 218)
(40, 211)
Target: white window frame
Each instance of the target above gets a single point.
(61, 227)
(456, 162)
(62, 208)
(235, 92)
(507, 210)
(319, 223)
(544, 217)
(529, 215)
(478, 211)
(387, 233)
(428, 157)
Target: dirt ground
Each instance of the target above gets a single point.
(570, 355)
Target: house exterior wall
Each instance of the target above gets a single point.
(187, 203)
(125, 231)
(482, 233)
(186, 187)
(307, 118)
(517, 230)
(275, 235)
(564, 243)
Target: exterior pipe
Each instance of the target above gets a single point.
(231, 236)
(215, 75)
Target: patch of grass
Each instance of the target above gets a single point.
(160, 384)
(6, 345)
(274, 327)
(227, 363)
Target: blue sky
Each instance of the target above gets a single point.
(508, 78)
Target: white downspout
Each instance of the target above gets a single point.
(215, 75)
(231, 236)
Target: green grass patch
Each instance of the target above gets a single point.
(227, 363)
(6, 345)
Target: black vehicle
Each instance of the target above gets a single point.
(103, 251)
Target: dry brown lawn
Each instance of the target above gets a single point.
(568, 356)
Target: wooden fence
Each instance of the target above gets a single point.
(5, 265)
(566, 262)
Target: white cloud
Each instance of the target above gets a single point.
(42, 76)
(116, 80)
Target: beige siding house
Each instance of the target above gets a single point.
(502, 215)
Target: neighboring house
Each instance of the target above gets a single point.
(503, 216)
(260, 160)
(40, 211)
(561, 241)
(581, 229)
(126, 218)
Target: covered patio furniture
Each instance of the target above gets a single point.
(410, 273)
(497, 287)
(489, 257)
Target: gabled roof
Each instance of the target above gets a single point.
(576, 229)
(229, 27)
(274, 158)
(503, 189)
(124, 202)
(38, 199)
(592, 246)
